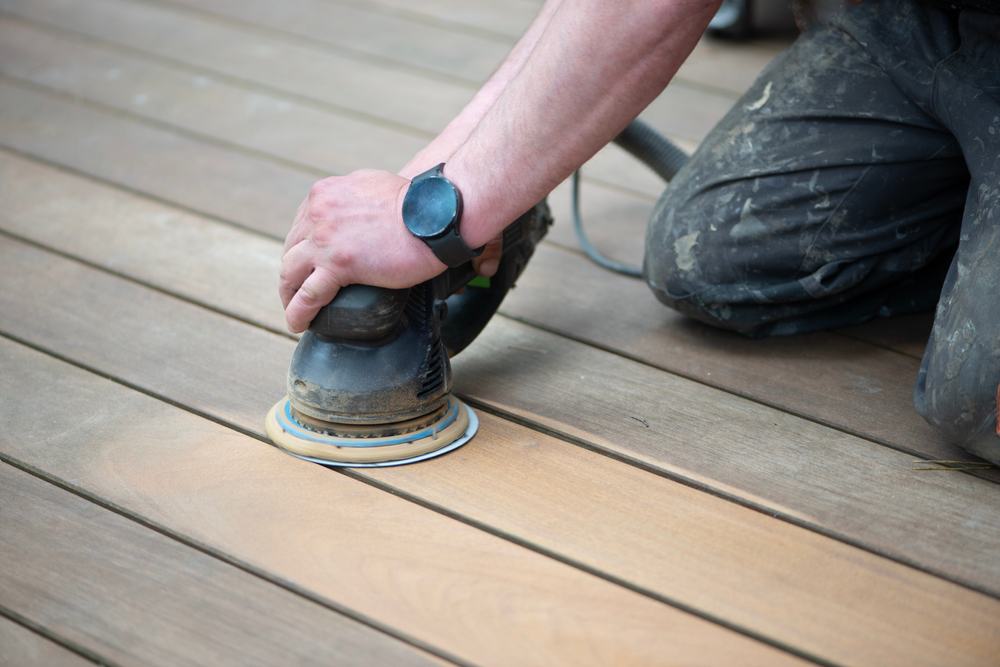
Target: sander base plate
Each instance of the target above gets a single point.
(457, 425)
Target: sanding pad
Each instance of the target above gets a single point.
(457, 425)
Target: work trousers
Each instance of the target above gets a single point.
(859, 177)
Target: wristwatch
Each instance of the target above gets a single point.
(432, 211)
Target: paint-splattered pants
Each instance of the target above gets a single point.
(859, 177)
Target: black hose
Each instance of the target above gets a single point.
(653, 150)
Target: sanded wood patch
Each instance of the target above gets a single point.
(435, 579)
(209, 372)
(131, 595)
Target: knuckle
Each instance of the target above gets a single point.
(308, 295)
(342, 255)
(318, 189)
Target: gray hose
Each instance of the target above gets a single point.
(653, 150)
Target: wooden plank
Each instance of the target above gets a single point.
(846, 384)
(720, 64)
(153, 160)
(834, 379)
(132, 595)
(682, 110)
(422, 47)
(219, 51)
(907, 334)
(20, 646)
(504, 22)
(662, 560)
(610, 166)
(344, 542)
(311, 138)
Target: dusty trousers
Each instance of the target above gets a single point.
(859, 177)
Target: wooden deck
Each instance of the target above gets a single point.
(643, 490)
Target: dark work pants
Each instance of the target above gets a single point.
(859, 177)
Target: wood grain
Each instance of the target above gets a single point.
(132, 595)
(858, 388)
(605, 535)
(610, 166)
(343, 541)
(190, 256)
(20, 647)
(722, 65)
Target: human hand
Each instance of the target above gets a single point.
(489, 261)
(349, 230)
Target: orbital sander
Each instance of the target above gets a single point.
(370, 381)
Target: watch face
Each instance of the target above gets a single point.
(431, 205)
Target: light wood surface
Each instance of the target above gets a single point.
(856, 493)
(642, 490)
(854, 387)
(133, 596)
(199, 375)
(347, 543)
(20, 646)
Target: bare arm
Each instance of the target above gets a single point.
(595, 67)
(459, 129)
(587, 69)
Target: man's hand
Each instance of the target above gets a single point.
(350, 230)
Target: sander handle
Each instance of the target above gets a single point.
(364, 313)
(361, 313)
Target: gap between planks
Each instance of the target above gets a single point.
(909, 348)
(404, 530)
(273, 179)
(25, 643)
(457, 458)
(110, 558)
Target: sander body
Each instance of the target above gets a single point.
(370, 381)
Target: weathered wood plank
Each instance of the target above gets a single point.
(217, 50)
(504, 22)
(132, 595)
(860, 490)
(421, 47)
(723, 65)
(153, 160)
(836, 380)
(611, 165)
(345, 542)
(20, 647)
(859, 388)
(682, 110)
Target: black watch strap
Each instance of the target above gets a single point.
(449, 248)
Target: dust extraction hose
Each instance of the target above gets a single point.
(653, 150)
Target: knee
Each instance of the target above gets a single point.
(960, 398)
(681, 264)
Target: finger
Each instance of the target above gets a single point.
(300, 227)
(296, 266)
(488, 262)
(315, 292)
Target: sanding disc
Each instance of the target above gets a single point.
(457, 425)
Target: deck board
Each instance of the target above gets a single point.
(346, 543)
(168, 243)
(817, 567)
(862, 390)
(133, 596)
(21, 646)
(641, 486)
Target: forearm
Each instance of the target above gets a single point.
(595, 66)
(458, 130)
